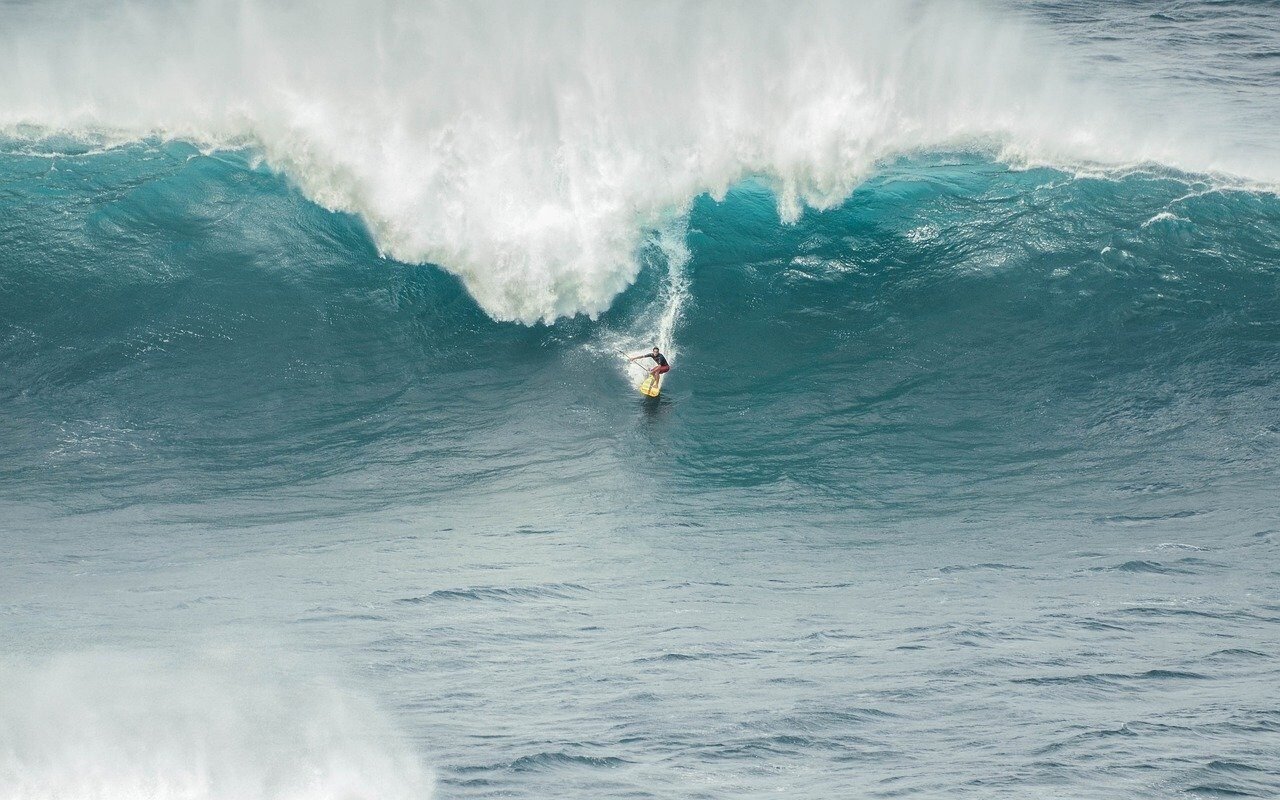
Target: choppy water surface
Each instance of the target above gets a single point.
(964, 482)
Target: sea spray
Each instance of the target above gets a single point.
(121, 726)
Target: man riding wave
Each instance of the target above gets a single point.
(661, 367)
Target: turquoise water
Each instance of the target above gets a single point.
(963, 483)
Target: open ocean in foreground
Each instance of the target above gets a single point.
(321, 477)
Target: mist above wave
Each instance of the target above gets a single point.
(527, 147)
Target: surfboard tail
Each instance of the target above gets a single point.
(651, 386)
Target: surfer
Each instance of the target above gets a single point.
(661, 366)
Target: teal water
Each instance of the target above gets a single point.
(206, 333)
(965, 485)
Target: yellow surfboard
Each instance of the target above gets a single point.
(651, 386)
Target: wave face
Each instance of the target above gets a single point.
(169, 314)
(526, 149)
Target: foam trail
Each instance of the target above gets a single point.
(671, 240)
(657, 323)
(96, 726)
(529, 147)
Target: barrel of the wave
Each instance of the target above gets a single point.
(651, 386)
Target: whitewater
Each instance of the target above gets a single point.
(321, 477)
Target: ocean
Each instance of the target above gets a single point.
(322, 478)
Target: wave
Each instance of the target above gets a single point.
(181, 328)
(1148, 567)
(527, 149)
(498, 593)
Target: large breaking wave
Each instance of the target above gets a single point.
(528, 147)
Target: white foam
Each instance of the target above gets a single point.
(97, 726)
(527, 147)
(1163, 216)
(656, 323)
